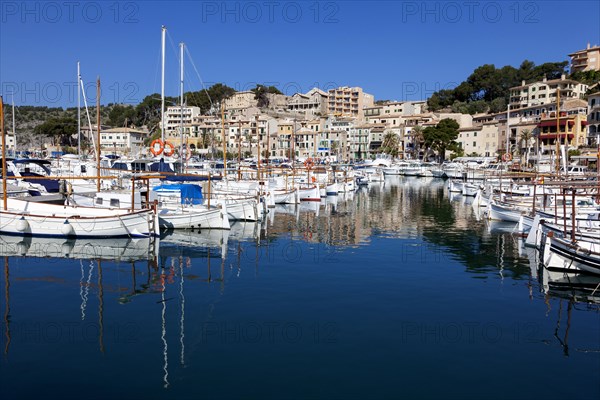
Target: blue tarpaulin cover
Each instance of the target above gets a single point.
(190, 194)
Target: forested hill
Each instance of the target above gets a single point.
(487, 88)
(28, 119)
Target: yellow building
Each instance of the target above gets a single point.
(572, 128)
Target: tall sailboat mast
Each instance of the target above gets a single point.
(598, 167)
(87, 113)
(224, 138)
(4, 174)
(508, 129)
(558, 138)
(78, 112)
(14, 129)
(162, 85)
(182, 158)
(98, 133)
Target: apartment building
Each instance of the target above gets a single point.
(376, 135)
(176, 116)
(204, 132)
(359, 141)
(307, 142)
(123, 141)
(240, 101)
(385, 119)
(481, 139)
(311, 104)
(545, 92)
(348, 101)
(567, 129)
(586, 60)
(284, 137)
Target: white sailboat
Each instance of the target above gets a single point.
(25, 218)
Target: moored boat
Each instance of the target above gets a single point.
(27, 218)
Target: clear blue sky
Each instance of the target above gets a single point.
(401, 50)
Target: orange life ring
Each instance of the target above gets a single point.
(168, 149)
(314, 179)
(507, 157)
(309, 163)
(154, 150)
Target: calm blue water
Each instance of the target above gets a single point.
(397, 291)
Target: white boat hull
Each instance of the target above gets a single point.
(282, 196)
(48, 220)
(332, 189)
(560, 254)
(499, 213)
(310, 194)
(469, 189)
(242, 210)
(191, 218)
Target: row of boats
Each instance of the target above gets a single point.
(137, 202)
(557, 216)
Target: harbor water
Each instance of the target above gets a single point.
(396, 290)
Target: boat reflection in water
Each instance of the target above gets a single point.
(495, 226)
(580, 288)
(201, 303)
(118, 249)
(578, 291)
(193, 244)
(572, 291)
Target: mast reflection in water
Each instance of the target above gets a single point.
(396, 289)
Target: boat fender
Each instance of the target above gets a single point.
(22, 224)
(67, 229)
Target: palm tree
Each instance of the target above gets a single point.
(526, 136)
(390, 144)
(334, 148)
(418, 139)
